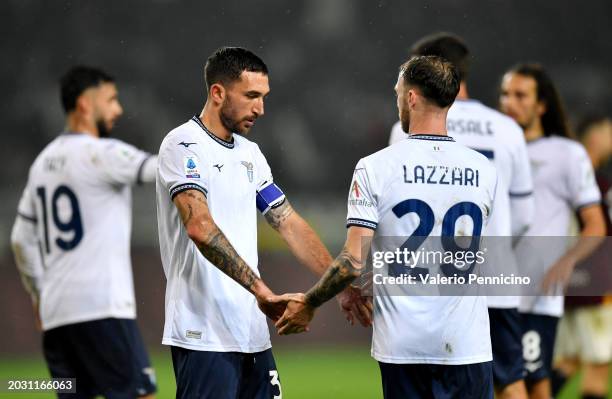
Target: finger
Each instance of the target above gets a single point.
(366, 313)
(349, 316)
(282, 322)
(368, 304)
(359, 314)
(293, 297)
(287, 329)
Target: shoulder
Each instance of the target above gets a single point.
(185, 135)
(566, 146)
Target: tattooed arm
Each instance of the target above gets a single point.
(307, 247)
(215, 247)
(343, 270)
(303, 242)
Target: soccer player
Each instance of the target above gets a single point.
(500, 139)
(563, 184)
(210, 182)
(427, 346)
(584, 340)
(71, 241)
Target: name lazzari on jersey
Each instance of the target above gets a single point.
(440, 174)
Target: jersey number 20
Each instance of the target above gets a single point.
(426, 225)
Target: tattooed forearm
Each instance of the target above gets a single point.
(218, 250)
(344, 269)
(276, 216)
(210, 240)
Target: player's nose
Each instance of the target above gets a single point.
(258, 109)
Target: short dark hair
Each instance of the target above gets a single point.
(77, 80)
(448, 46)
(587, 122)
(437, 78)
(227, 63)
(554, 120)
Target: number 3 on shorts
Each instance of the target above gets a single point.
(276, 382)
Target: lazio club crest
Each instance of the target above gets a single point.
(249, 169)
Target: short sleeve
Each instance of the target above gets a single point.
(27, 208)
(362, 200)
(181, 168)
(121, 163)
(521, 184)
(581, 183)
(268, 195)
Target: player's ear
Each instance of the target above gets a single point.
(412, 98)
(84, 103)
(541, 109)
(217, 93)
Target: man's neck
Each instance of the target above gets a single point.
(77, 124)
(433, 123)
(463, 92)
(210, 118)
(534, 131)
(595, 159)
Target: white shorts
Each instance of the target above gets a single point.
(585, 334)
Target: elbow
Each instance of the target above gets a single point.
(199, 231)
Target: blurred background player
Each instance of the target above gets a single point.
(71, 241)
(584, 339)
(563, 184)
(210, 182)
(426, 346)
(500, 139)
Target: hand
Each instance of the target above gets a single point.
(354, 305)
(273, 305)
(297, 316)
(558, 275)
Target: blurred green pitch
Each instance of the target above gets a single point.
(315, 373)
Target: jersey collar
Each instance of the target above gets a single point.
(226, 144)
(419, 136)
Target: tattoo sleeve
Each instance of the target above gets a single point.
(343, 270)
(211, 241)
(276, 216)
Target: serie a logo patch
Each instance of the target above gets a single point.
(192, 167)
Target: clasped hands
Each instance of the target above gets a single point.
(292, 313)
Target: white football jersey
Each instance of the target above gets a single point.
(425, 186)
(500, 139)
(78, 193)
(564, 182)
(205, 309)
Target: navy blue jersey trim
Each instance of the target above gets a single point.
(434, 137)
(226, 144)
(28, 218)
(587, 204)
(187, 186)
(518, 195)
(361, 223)
(140, 168)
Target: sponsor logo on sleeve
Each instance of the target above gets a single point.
(356, 197)
(191, 164)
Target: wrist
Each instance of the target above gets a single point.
(260, 290)
(310, 301)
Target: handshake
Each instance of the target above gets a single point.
(292, 313)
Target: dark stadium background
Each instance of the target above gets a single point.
(333, 64)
